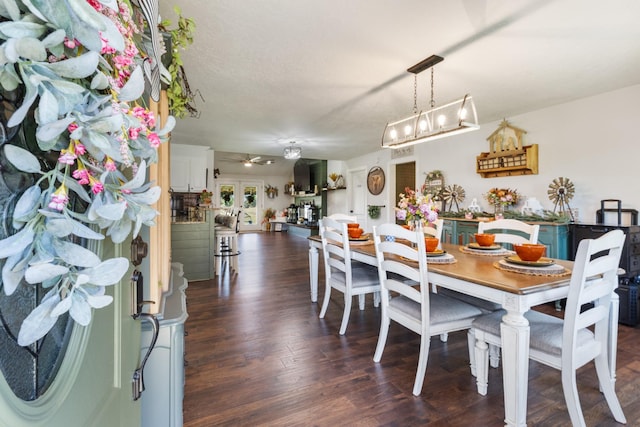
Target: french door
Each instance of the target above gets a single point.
(242, 195)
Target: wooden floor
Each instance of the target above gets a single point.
(258, 355)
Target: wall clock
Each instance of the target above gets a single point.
(375, 180)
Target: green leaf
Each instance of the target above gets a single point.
(27, 203)
(39, 321)
(16, 243)
(40, 272)
(12, 275)
(74, 254)
(80, 310)
(48, 131)
(47, 111)
(22, 29)
(31, 48)
(22, 159)
(76, 68)
(108, 272)
(134, 87)
(112, 211)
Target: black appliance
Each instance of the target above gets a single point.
(629, 260)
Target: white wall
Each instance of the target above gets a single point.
(591, 141)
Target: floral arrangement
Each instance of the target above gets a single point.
(416, 205)
(78, 64)
(205, 197)
(269, 213)
(502, 197)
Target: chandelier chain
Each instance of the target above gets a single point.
(433, 102)
(415, 94)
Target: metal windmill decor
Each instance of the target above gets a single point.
(560, 191)
(452, 194)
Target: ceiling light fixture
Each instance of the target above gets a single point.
(247, 163)
(292, 153)
(451, 119)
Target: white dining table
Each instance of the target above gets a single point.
(476, 275)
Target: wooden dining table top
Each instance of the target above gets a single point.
(481, 269)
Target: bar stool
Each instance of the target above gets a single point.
(226, 234)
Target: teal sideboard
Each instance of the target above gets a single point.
(193, 245)
(554, 235)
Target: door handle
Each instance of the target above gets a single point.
(137, 382)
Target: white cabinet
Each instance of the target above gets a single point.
(189, 168)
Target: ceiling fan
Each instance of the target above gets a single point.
(249, 161)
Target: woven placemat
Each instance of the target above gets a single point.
(443, 259)
(486, 252)
(551, 270)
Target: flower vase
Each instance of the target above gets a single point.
(499, 211)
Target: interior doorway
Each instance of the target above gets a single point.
(405, 177)
(243, 195)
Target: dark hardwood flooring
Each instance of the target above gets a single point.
(258, 355)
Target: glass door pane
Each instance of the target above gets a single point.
(226, 196)
(250, 202)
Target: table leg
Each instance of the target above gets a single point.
(515, 367)
(313, 272)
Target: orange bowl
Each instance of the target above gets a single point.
(353, 225)
(431, 243)
(529, 251)
(355, 233)
(485, 239)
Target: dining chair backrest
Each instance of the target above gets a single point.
(594, 278)
(340, 217)
(335, 244)
(398, 277)
(434, 229)
(510, 231)
(341, 273)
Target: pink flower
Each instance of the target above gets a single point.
(154, 139)
(71, 44)
(110, 165)
(133, 133)
(96, 186)
(59, 199)
(80, 148)
(72, 127)
(67, 157)
(82, 175)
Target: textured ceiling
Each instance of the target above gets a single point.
(329, 74)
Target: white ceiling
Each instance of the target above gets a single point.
(329, 74)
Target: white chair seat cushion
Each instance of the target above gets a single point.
(443, 309)
(360, 277)
(545, 330)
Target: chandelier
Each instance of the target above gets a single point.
(292, 152)
(438, 122)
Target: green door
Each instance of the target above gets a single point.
(93, 385)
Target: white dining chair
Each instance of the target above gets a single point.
(582, 336)
(341, 274)
(510, 231)
(413, 307)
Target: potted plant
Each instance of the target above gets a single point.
(269, 214)
(205, 197)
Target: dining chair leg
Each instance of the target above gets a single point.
(608, 388)
(325, 302)
(494, 356)
(361, 301)
(382, 339)
(570, 389)
(444, 337)
(347, 311)
(423, 358)
(376, 299)
(471, 345)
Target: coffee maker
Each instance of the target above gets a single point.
(292, 214)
